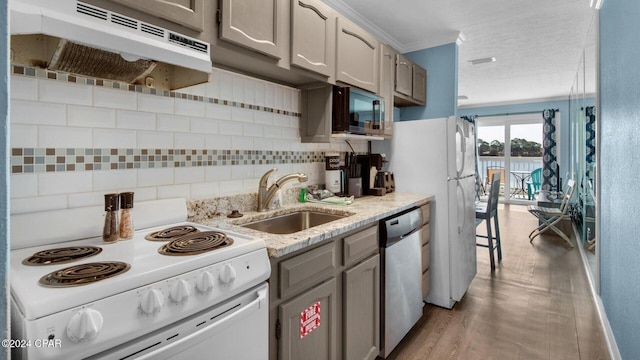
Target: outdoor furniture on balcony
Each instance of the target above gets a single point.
(511, 185)
(490, 171)
(520, 176)
(534, 183)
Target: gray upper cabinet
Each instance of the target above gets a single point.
(404, 75)
(387, 83)
(252, 24)
(313, 36)
(357, 58)
(187, 13)
(410, 83)
(316, 105)
(419, 93)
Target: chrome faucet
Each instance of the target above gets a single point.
(266, 193)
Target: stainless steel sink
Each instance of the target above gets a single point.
(293, 222)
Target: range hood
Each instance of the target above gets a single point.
(82, 39)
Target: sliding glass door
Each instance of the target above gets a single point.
(511, 145)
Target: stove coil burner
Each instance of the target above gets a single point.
(171, 233)
(196, 243)
(61, 255)
(84, 274)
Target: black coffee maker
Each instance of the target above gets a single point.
(370, 166)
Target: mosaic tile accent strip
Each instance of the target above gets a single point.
(40, 160)
(82, 80)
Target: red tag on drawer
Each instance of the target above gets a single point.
(309, 319)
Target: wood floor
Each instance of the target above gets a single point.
(537, 305)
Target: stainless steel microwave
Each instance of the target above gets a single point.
(357, 111)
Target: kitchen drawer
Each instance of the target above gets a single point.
(306, 270)
(426, 249)
(426, 234)
(425, 283)
(426, 213)
(360, 245)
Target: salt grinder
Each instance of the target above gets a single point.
(126, 215)
(110, 230)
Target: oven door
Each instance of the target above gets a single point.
(236, 329)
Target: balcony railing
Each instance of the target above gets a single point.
(527, 164)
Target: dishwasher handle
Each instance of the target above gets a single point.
(395, 239)
(399, 227)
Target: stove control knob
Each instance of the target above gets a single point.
(151, 301)
(84, 325)
(205, 282)
(227, 274)
(180, 291)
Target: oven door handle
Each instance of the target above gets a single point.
(214, 328)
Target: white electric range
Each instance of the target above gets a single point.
(147, 304)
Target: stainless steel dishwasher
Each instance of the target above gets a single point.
(401, 288)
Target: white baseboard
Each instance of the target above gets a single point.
(612, 346)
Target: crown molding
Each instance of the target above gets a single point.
(354, 16)
(514, 102)
(443, 39)
(433, 41)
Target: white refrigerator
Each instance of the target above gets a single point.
(437, 156)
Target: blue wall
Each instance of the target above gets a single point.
(619, 161)
(4, 173)
(441, 63)
(562, 105)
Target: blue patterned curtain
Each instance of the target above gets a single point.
(550, 168)
(590, 113)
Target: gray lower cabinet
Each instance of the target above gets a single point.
(361, 309)
(324, 302)
(426, 248)
(308, 324)
(311, 267)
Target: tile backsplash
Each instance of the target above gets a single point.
(74, 139)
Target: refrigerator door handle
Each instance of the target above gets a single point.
(463, 148)
(459, 178)
(462, 225)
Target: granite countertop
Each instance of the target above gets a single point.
(363, 211)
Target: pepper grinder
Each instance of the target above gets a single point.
(110, 230)
(126, 216)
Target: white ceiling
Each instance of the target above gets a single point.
(538, 44)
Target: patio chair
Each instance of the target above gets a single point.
(534, 183)
(550, 216)
(487, 211)
(488, 179)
